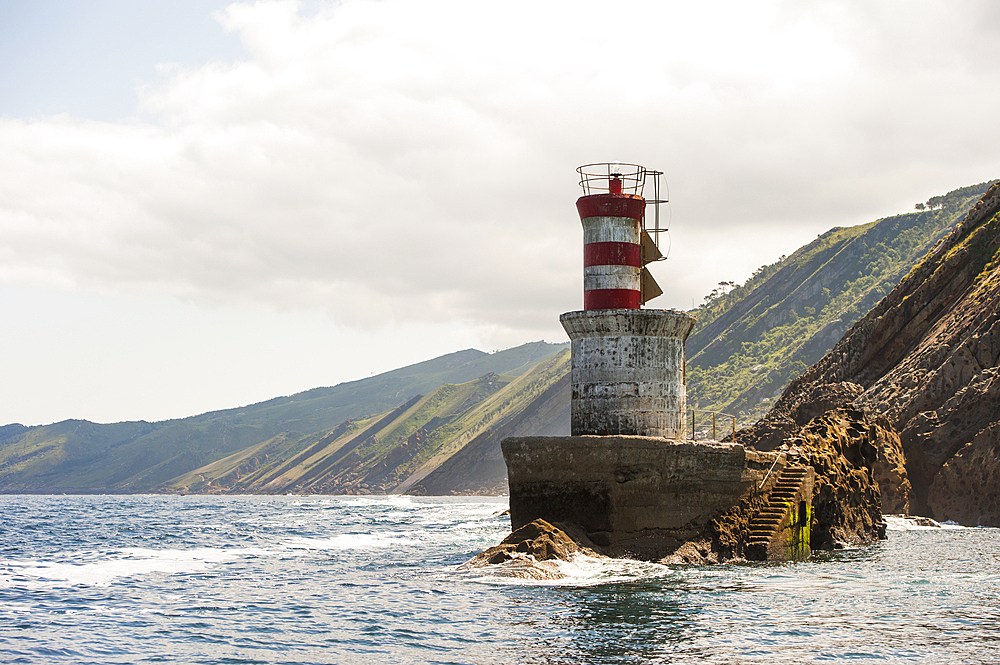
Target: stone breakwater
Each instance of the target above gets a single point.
(692, 502)
(634, 496)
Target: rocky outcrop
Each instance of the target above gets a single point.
(842, 446)
(537, 539)
(926, 357)
(788, 415)
(967, 489)
(853, 455)
(529, 551)
(931, 438)
(890, 468)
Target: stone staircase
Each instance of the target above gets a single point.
(780, 530)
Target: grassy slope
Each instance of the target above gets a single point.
(386, 453)
(494, 414)
(79, 456)
(751, 342)
(479, 467)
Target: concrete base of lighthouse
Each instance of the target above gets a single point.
(628, 371)
(634, 496)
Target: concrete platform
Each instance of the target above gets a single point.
(634, 495)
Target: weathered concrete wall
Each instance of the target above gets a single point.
(634, 495)
(628, 371)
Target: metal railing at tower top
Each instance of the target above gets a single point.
(716, 417)
(631, 179)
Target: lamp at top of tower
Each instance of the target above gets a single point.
(612, 178)
(615, 177)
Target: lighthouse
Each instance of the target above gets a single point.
(627, 477)
(627, 362)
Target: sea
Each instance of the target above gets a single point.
(343, 579)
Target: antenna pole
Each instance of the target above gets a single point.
(656, 197)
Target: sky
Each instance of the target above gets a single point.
(205, 205)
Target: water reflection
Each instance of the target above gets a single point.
(626, 622)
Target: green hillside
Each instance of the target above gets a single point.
(80, 456)
(387, 453)
(751, 340)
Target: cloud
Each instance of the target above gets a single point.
(397, 162)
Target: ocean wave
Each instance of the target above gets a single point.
(349, 541)
(375, 500)
(106, 568)
(94, 568)
(581, 570)
(916, 523)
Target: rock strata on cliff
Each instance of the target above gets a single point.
(957, 492)
(926, 358)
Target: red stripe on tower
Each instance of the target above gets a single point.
(611, 299)
(612, 254)
(611, 205)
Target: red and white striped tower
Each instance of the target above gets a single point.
(628, 363)
(612, 247)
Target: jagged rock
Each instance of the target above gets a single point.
(694, 552)
(890, 468)
(932, 437)
(967, 489)
(826, 397)
(788, 415)
(535, 551)
(539, 541)
(842, 446)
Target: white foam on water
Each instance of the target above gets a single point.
(394, 516)
(349, 541)
(580, 571)
(108, 568)
(92, 568)
(914, 523)
(376, 500)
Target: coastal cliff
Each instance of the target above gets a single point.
(925, 359)
(752, 339)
